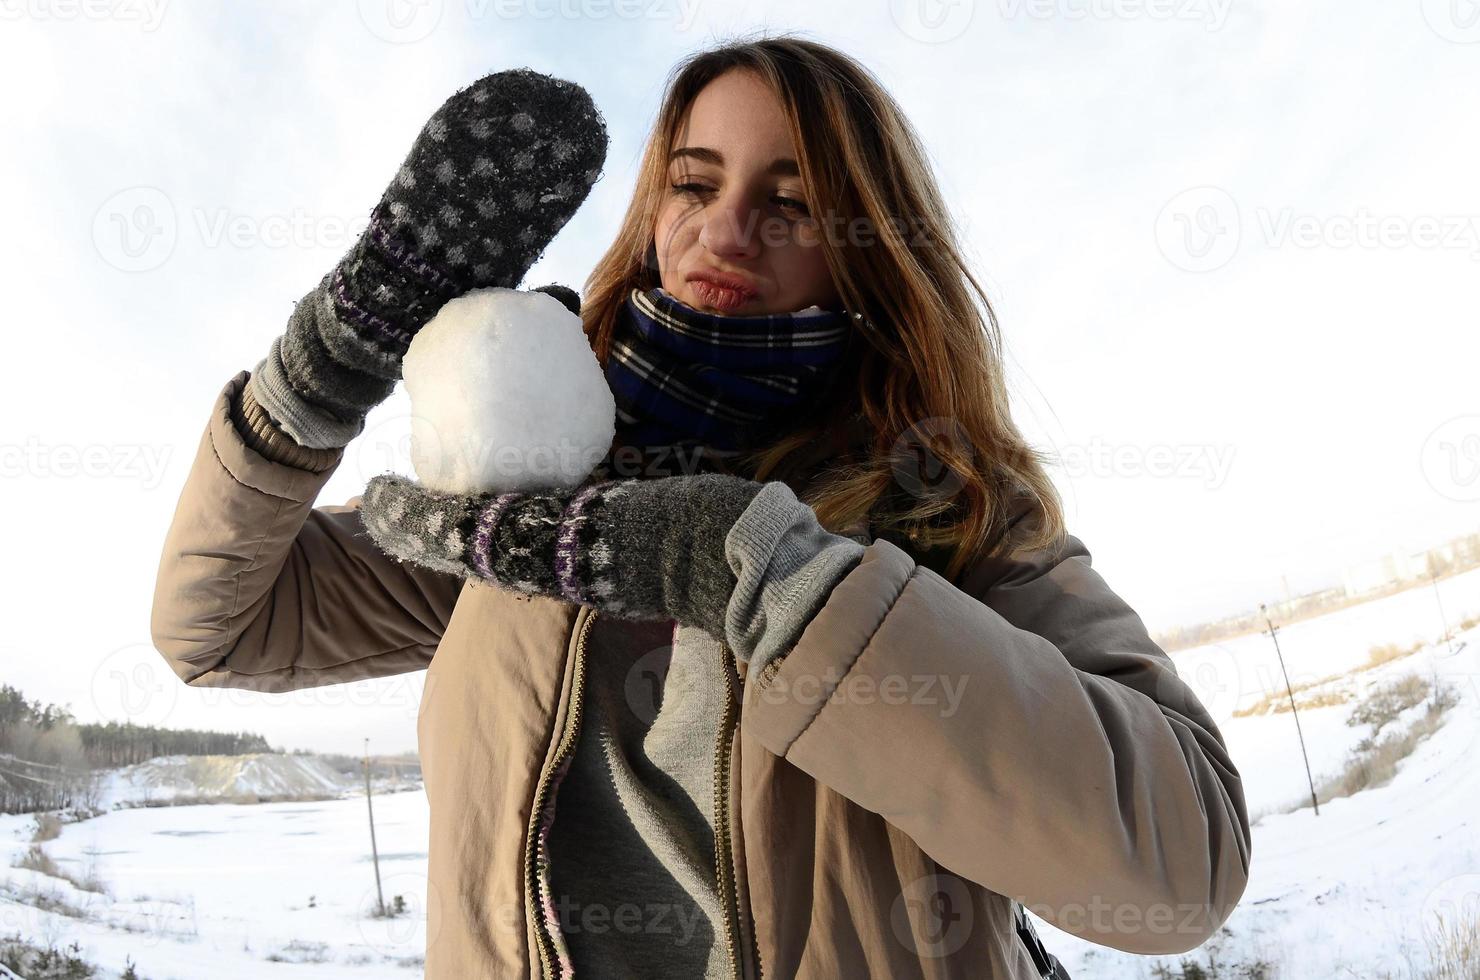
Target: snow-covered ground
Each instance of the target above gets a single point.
(1351, 892)
(287, 889)
(215, 890)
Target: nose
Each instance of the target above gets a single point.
(728, 229)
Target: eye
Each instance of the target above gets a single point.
(791, 204)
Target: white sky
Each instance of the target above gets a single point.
(1161, 196)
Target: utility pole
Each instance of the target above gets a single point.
(1434, 581)
(374, 852)
(1309, 779)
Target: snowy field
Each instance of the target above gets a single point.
(1348, 893)
(287, 889)
(217, 890)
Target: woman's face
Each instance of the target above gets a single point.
(738, 214)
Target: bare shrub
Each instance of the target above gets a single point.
(1454, 946)
(1375, 761)
(48, 827)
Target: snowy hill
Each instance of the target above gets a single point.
(249, 778)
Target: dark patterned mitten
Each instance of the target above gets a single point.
(493, 176)
(638, 549)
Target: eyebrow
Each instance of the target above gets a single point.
(781, 166)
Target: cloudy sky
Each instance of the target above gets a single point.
(1234, 245)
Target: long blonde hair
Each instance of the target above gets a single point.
(932, 360)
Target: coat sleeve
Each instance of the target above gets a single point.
(258, 589)
(1027, 733)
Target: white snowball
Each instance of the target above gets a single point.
(506, 394)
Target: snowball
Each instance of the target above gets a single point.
(506, 394)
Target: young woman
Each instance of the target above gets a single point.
(757, 698)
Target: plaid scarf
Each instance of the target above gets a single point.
(685, 378)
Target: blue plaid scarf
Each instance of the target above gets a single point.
(685, 378)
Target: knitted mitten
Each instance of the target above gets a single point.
(639, 549)
(493, 176)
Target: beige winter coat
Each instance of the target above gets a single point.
(928, 755)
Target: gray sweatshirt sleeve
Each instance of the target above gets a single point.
(785, 564)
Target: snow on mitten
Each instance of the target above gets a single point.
(495, 173)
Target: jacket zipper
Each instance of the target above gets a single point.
(724, 864)
(534, 882)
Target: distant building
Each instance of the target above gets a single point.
(1396, 566)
